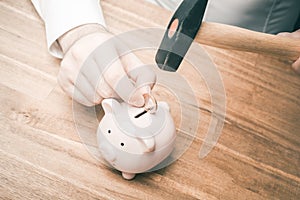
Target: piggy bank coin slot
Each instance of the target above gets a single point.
(150, 105)
(140, 114)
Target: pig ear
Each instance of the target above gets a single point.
(110, 105)
(149, 144)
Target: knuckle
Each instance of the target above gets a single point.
(86, 103)
(111, 76)
(105, 91)
(76, 52)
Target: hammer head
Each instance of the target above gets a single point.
(180, 33)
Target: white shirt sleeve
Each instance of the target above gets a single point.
(60, 16)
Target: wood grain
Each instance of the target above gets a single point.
(43, 157)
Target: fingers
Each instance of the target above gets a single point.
(284, 34)
(296, 66)
(90, 83)
(75, 84)
(296, 35)
(90, 77)
(143, 76)
(93, 75)
(69, 89)
(83, 86)
(118, 80)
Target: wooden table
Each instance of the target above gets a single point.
(42, 157)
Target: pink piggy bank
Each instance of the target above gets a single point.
(134, 143)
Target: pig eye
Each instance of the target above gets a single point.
(109, 131)
(122, 144)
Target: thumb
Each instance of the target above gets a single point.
(137, 99)
(141, 74)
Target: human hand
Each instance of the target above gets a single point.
(295, 34)
(92, 69)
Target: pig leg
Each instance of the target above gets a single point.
(128, 176)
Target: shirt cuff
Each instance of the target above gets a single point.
(60, 16)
